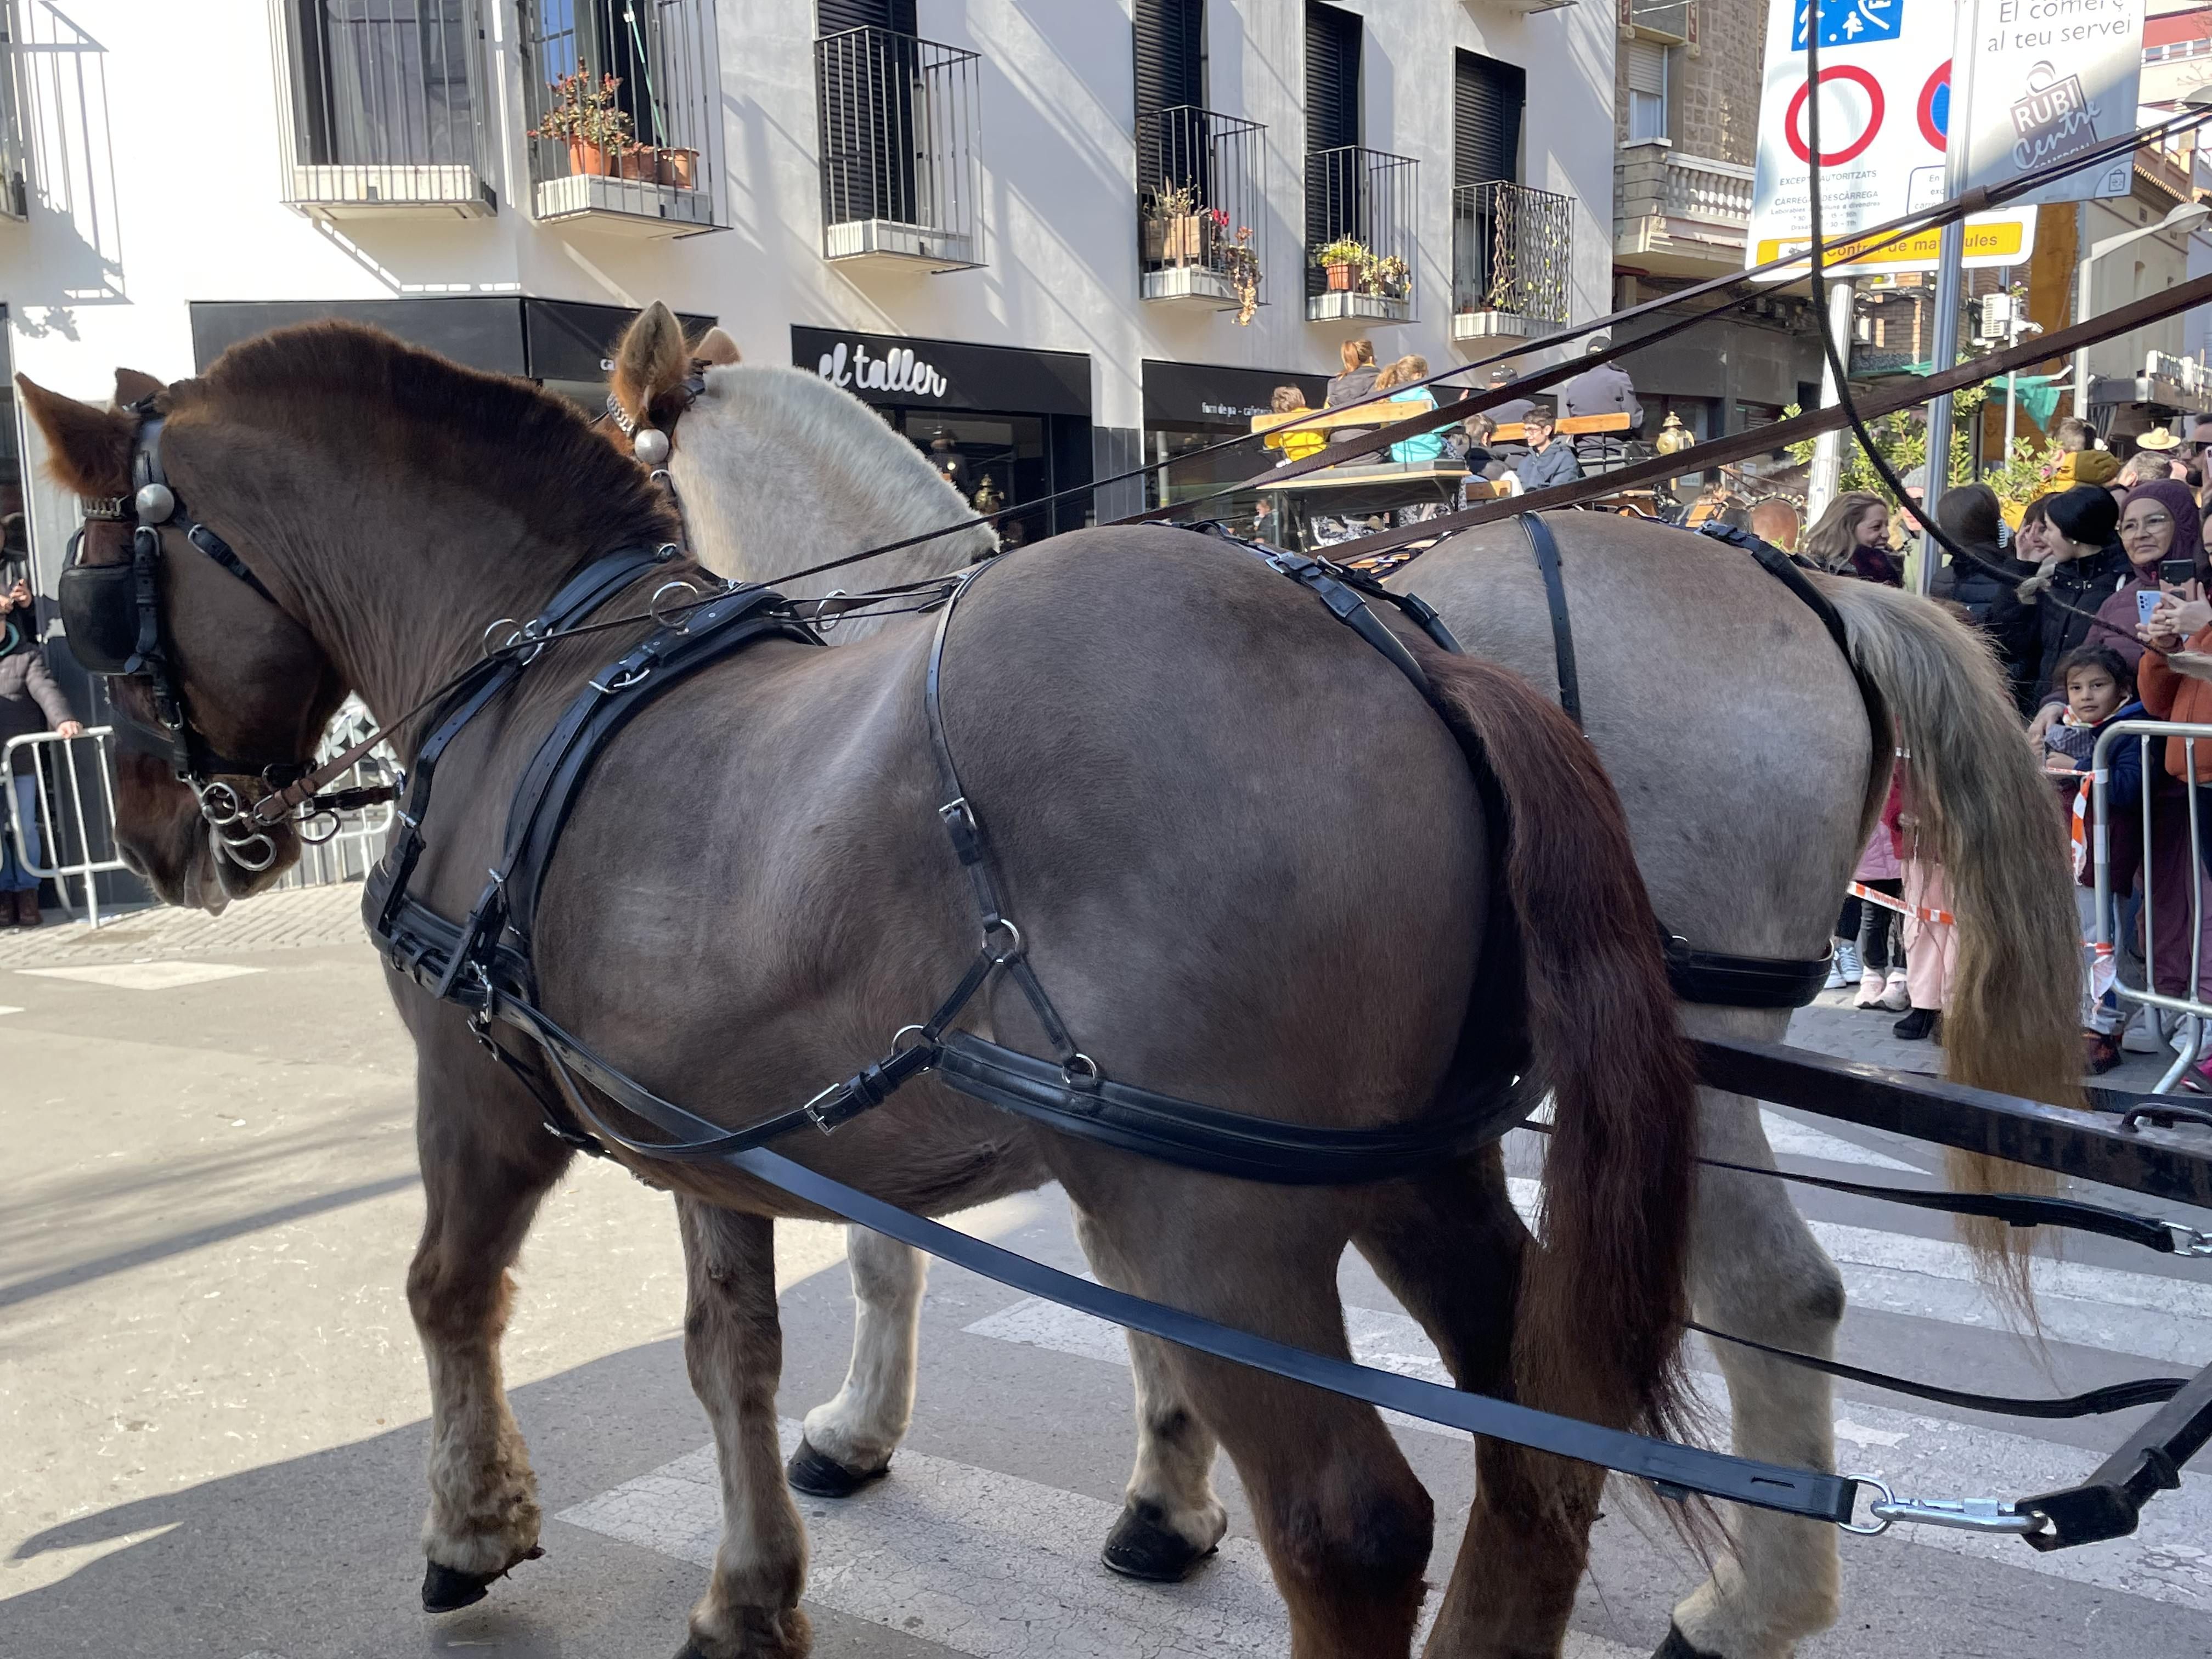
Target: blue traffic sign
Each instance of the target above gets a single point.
(1851, 22)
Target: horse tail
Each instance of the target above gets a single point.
(2015, 1012)
(1602, 1300)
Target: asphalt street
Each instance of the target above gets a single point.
(212, 1403)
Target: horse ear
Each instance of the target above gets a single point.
(89, 448)
(132, 385)
(717, 348)
(651, 359)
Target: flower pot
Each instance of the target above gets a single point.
(586, 157)
(679, 169)
(1186, 239)
(643, 165)
(1156, 235)
(1340, 277)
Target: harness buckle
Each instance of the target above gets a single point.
(825, 1120)
(2189, 1241)
(959, 820)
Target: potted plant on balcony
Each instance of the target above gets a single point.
(1346, 260)
(1174, 228)
(583, 113)
(1239, 262)
(1388, 276)
(679, 167)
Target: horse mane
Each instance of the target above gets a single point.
(876, 477)
(492, 434)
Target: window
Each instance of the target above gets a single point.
(1332, 77)
(1171, 46)
(384, 82)
(1487, 98)
(1647, 92)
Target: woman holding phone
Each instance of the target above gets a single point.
(2163, 539)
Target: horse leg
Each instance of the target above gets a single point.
(1170, 1520)
(484, 1172)
(1450, 1249)
(1757, 1271)
(1345, 1525)
(733, 1348)
(850, 1439)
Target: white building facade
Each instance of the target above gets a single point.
(1039, 201)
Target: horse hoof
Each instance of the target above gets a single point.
(1678, 1646)
(1139, 1547)
(818, 1476)
(448, 1590)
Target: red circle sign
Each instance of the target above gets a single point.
(1938, 84)
(1859, 78)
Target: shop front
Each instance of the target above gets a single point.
(1004, 426)
(1190, 406)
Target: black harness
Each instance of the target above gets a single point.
(484, 962)
(1709, 977)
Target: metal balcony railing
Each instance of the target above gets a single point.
(1362, 199)
(388, 108)
(1201, 221)
(645, 162)
(14, 197)
(1512, 251)
(899, 119)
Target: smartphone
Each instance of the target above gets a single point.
(2145, 602)
(2176, 572)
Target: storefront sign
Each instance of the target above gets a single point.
(894, 369)
(1205, 394)
(2052, 78)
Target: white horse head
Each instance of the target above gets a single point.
(779, 470)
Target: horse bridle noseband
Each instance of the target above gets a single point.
(111, 617)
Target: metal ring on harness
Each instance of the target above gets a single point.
(824, 622)
(682, 584)
(302, 827)
(1013, 951)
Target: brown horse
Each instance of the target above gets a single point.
(1730, 723)
(1215, 812)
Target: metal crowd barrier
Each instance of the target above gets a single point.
(74, 806)
(2192, 1010)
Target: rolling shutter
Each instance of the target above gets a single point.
(1486, 103)
(1332, 77)
(1171, 38)
(835, 16)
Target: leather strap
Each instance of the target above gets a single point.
(1220, 1142)
(1547, 550)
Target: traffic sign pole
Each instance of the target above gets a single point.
(1935, 474)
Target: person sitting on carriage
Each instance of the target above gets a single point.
(1550, 461)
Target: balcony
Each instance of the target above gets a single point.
(898, 122)
(1512, 261)
(14, 198)
(1678, 215)
(622, 97)
(388, 109)
(1201, 223)
(1359, 204)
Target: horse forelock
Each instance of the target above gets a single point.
(372, 400)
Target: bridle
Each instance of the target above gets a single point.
(112, 615)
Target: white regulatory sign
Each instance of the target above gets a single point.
(1885, 95)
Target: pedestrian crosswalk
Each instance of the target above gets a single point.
(987, 1563)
